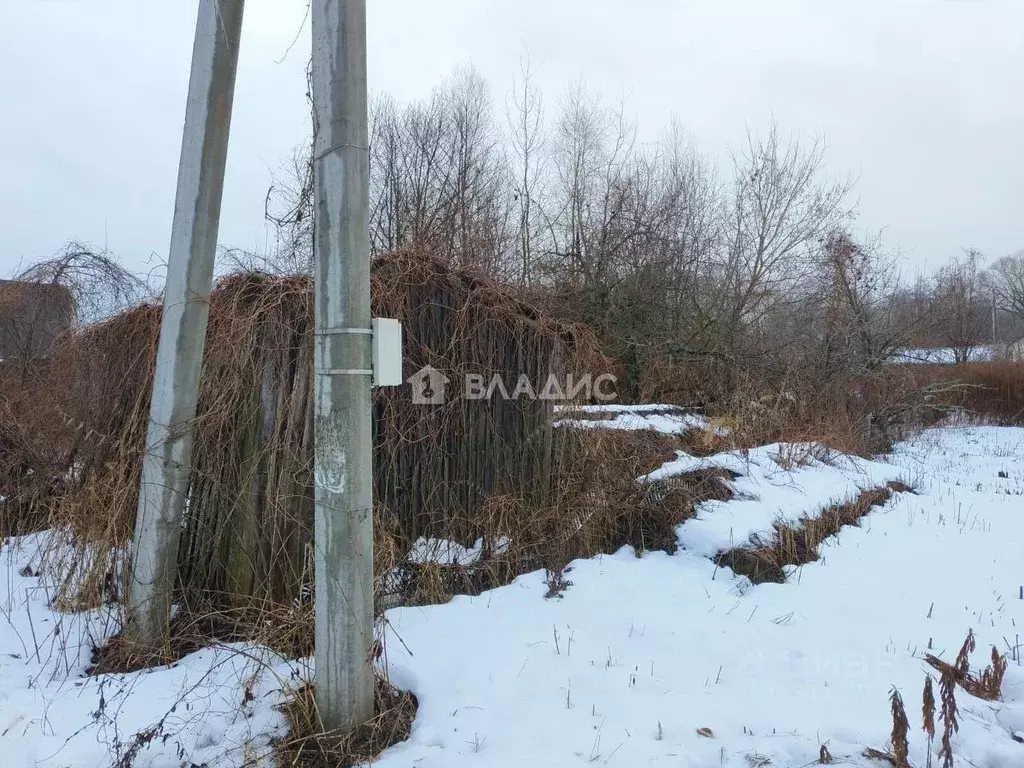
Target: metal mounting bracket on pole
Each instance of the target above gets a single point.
(345, 332)
(386, 335)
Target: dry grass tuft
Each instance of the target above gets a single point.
(628, 452)
(705, 442)
(651, 524)
(988, 685)
(286, 631)
(963, 662)
(798, 544)
(309, 746)
(800, 416)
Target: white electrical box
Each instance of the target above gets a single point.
(387, 352)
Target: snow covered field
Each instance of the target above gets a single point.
(661, 660)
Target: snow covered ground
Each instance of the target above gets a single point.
(783, 483)
(666, 419)
(215, 707)
(661, 660)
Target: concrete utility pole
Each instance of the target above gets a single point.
(343, 361)
(165, 467)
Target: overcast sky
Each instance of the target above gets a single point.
(920, 99)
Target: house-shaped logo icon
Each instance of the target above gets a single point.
(428, 385)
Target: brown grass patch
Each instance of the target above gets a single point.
(798, 544)
(287, 631)
(630, 452)
(310, 746)
(993, 391)
(651, 525)
(521, 539)
(705, 442)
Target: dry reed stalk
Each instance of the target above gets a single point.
(900, 729)
(928, 714)
(950, 725)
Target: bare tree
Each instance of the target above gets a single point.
(960, 313)
(525, 118)
(98, 283)
(439, 177)
(289, 208)
(781, 207)
(78, 286)
(861, 325)
(665, 257)
(478, 225)
(1007, 279)
(581, 157)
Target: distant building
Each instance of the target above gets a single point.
(32, 315)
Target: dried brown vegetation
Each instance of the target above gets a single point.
(496, 472)
(797, 544)
(993, 391)
(309, 745)
(948, 713)
(900, 729)
(928, 713)
(950, 724)
(651, 525)
(987, 685)
(285, 630)
(746, 298)
(600, 509)
(76, 452)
